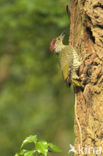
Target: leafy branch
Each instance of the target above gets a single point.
(40, 147)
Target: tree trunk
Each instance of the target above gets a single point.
(86, 35)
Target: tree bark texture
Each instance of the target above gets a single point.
(86, 35)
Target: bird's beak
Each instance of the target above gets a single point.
(62, 35)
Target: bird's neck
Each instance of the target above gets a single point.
(59, 48)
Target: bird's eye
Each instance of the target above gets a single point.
(58, 38)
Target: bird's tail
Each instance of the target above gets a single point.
(76, 82)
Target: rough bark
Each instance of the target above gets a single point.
(86, 34)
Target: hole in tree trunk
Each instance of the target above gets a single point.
(88, 29)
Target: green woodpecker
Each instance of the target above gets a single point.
(68, 58)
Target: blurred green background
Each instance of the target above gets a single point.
(33, 96)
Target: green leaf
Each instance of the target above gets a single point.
(29, 153)
(22, 152)
(54, 147)
(30, 139)
(16, 154)
(42, 147)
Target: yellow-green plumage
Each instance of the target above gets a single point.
(65, 59)
(69, 63)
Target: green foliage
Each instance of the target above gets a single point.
(29, 140)
(40, 147)
(33, 96)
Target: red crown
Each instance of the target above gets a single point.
(52, 44)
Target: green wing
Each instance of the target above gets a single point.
(65, 58)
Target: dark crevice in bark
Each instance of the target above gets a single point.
(88, 30)
(88, 73)
(101, 40)
(83, 2)
(99, 5)
(99, 26)
(89, 19)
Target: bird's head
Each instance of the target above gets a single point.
(56, 44)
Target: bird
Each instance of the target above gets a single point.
(69, 60)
